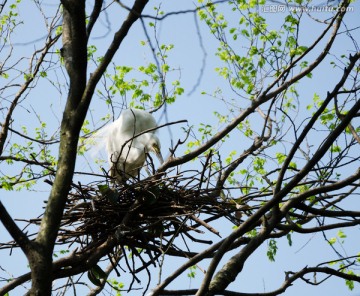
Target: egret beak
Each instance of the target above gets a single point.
(160, 158)
(158, 153)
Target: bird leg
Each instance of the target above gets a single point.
(117, 170)
(149, 163)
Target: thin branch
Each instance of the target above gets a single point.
(351, 128)
(322, 189)
(119, 36)
(28, 161)
(277, 197)
(94, 16)
(330, 96)
(162, 17)
(6, 124)
(264, 97)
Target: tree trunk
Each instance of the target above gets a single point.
(74, 52)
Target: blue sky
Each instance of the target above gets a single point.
(47, 101)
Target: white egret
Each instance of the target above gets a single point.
(127, 151)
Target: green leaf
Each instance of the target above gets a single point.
(341, 234)
(290, 19)
(98, 272)
(95, 274)
(116, 285)
(335, 148)
(179, 90)
(192, 272)
(7, 186)
(93, 279)
(272, 249)
(280, 157)
(108, 193)
(350, 283)
(165, 68)
(332, 240)
(288, 236)
(58, 30)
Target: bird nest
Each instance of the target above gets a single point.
(148, 217)
(143, 212)
(143, 218)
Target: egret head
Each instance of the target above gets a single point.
(152, 144)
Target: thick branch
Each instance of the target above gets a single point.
(75, 58)
(290, 279)
(14, 230)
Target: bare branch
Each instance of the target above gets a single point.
(20, 237)
(94, 16)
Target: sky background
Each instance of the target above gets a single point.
(189, 56)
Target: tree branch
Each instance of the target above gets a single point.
(264, 97)
(94, 16)
(295, 202)
(6, 125)
(277, 197)
(14, 230)
(119, 36)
